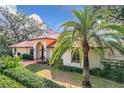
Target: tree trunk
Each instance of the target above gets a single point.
(86, 83)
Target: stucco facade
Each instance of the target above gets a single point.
(45, 47)
(22, 50)
(94, 60)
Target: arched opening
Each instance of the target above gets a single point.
(38, 50)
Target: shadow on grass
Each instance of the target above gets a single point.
(58, 76)
(37, 67)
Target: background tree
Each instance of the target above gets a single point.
(86, 33)
(15, 27)
(112, 13)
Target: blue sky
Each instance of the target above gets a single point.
(53, 16)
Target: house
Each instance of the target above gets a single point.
(42, 47)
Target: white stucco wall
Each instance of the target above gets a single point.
(67, 59)
(22, 50)
(94, 60)
(117, 55)
(49, 52)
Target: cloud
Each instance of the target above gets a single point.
(12, 8)
(36, 17)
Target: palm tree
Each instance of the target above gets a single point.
(88, 33)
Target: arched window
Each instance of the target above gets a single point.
(75, 56)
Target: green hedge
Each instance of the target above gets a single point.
(71, 69)
(6, 82)
(115, 75)
(27, 56)
(29, 79)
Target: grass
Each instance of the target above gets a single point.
(6, 82)
(71, 79)
(96, 82)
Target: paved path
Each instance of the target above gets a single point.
(29, 62)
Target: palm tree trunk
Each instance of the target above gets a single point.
(86, 83)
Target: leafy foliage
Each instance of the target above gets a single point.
(15, 27)
(29, 79)
(6, 82)
(19, 26)
(9, 62)
(110, 13)
(71, 69)
(109, 74)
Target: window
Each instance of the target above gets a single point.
(31, 51)
(75, 56)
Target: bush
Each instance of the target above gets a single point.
(6, 82)
(28, 79)
(114, 75)
(57, 65)
(71, 69)
(3, 53)
(9, 62)
(109, 74)
(27, 56)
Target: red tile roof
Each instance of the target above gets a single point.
(23, 44)
(30, 43)
(51, 45)
(54, 37)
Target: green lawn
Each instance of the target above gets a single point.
(96, 82)
(6, 82)
(71, 79)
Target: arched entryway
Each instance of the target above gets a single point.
(38, 50)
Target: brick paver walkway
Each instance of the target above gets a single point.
(29, 62)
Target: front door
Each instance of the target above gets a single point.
(42, 53)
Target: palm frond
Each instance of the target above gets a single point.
(70, 25)
(63, 44)
(118, 47)
(114, 27)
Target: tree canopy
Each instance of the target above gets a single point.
(15, 27)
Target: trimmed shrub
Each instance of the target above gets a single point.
(114, 75)
(71, 69)
(27, 56)
(6, 82)
(57, 65)
(109, 74)
(29, 79)
(9, 62)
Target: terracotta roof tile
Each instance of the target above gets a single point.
(23, 44)
(30, 43)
